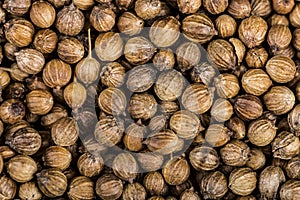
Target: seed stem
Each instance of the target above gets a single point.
(90, 43)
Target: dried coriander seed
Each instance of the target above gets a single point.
(285, 146)
(125, 167)
(213, 185)
(17, 7)
(248, 107)
(215, 7)
(45, 41)
(204, 158)
(147, 9)
(75, 95)
(29, 190)
(261, 8)
(21, 168)
(134, 191)
(150, 161)
(176, 171)
(109, 187)
(227, 85)
(221, 110)
(12, 110)
(293, 120)
(189, 7)
(69, 20)
(198, 28)
(226, 25)
(84, 5)
(133, 137)
(102, 18)
(52, 182)
(70, 50)
(217, 135)
(293, 168)
(257, 159)
(57, 157)
(235, 153)
(30, 61)
(113, 74)
(164, 60)
(188, 55)
(90, 165)
(279, 100)
(252, 31)
(261, 132)
(197, 98)
(42, 14)
(270, 180)
(279, 37)
(239, 9)
(65, 132)
(256, 57)
(130, 24)
(112, 101)
(290, 189)
(294, 17)
(242, 181)
(283, 7)
(81, 187)
(8, 188)
(39, 102)
(154, 183)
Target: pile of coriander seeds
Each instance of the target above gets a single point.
(150, 99)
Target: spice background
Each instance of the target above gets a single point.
(150, 99)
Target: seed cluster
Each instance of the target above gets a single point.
(103, 99)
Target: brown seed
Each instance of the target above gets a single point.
(134, 135)
(227, 85)
(81, 187)
(293, 120)
(8, 188)
(295, 16)
(64, 132)
(248, 107)
(285, 146)
(4, 79)
(256, 57)
(237, 126)
(69, 20)
(242, 181)
(21, 168)
(109, 46)
(198, 28)
(293, 168)
(42, 14)
(279, 100)
(222, 54)
(215, 7)
(261, 8)
(279, 37)
(185, 124)
(112, 101)
(176, 171)
(226, 25)
(154, 183)
(276, 19)
(169, 107)
(11, 111)
(150, 161)
(30, 61)
(124, 4)
(283, 7)
(217, 135)
(6, 152)
(203, 73)
(261, 132)
(147, 9)
(197, 98)
(39, 102)
(56, 73)
(125, 167)
(84, 4)
(15, 73)
(134, 191)
(290, 190)
(239, 49)
(70, 50)
(187, 194)
(235, 153)
(130, 24)
(163, 142)
(17, 7)
(257, 159)
(52, 182)
(165, 32)
(288, 52)
(29, 190)
(15, 90)
(102, 18)
(109, 131)
(75, 95)
(113, 74)
(213, 185)
(252, 31)
(141, 78)
(256, 82)
(88, 69)
(270, 180)
(239, 9)
(164, 60)
(189, 7)
(221, 110)
(90, 165)
(188, 55)
(138, 50)
(45, 41)
(204, 158)
(57, 157)
(59, 3)
(169, 85)
(10, 50)
(109, 187)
